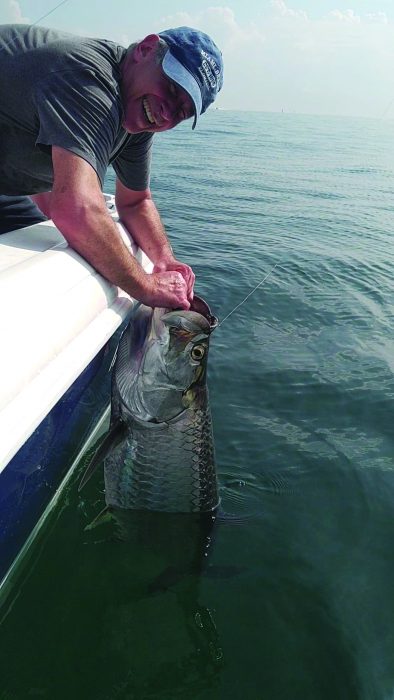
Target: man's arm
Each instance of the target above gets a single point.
(78, 209)
(137, 212)
(43, 201)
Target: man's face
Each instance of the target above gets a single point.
(151, 101)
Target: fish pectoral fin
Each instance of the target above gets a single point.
(105, 516)
(110, 441)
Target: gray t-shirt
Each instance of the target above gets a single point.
(57, 89)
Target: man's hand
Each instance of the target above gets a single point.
(166, 289)
(187, 273)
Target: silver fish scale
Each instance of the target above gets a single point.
(167, 468)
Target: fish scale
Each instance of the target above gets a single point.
(170, 468)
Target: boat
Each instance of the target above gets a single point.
(60, 321)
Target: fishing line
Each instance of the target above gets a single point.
(50, 12)
(250, 294)
(63, 2)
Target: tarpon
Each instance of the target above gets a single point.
(161, 487)
(159, 452)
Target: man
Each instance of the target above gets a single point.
(71, 105)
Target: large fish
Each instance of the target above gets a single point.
(161, 486)
(159, 452)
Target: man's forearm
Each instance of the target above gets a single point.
(43, 201)
(143, 222)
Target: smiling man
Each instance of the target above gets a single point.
(69, 107)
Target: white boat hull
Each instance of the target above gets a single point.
(59, 321)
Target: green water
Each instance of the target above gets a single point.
(295, 600)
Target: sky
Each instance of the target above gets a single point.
(300, 56)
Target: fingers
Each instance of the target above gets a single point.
(190, 287)
(179, 287)
(185, 271)
(189, 277)
(169, 290)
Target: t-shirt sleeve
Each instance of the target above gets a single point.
(76, 111)
(132, 165)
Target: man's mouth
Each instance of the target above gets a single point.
(147, 111)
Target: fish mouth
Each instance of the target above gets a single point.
(197, 319)
(201, 307)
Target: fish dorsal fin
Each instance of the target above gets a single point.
(110, 441)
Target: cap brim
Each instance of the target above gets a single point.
(176, 71)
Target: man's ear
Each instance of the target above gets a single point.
(145, 47)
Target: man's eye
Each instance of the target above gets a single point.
(173, 90)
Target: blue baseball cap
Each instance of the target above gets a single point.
(195, 63)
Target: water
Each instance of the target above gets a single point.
(297, 599)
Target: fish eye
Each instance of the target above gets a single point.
(197, 352)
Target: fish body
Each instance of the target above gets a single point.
(161, 487)
(166, 467)
(160, 452)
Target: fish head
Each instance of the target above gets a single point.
(167, 371)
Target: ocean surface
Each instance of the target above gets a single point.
(297, 598)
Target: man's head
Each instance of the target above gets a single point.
(170, 77)
(195, 63)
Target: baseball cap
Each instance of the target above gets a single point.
(195, 63)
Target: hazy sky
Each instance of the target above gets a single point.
(311, 56)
